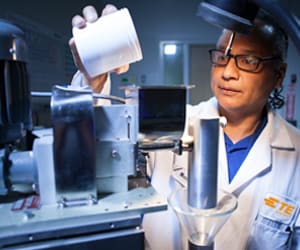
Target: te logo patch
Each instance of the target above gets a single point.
(280, 206)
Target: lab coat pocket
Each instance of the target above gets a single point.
(268, 234)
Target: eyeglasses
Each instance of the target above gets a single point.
(247, 63)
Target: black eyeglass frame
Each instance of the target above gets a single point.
(235, 57)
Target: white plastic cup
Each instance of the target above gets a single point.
(108, 43)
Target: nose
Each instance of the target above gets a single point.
(230, 70)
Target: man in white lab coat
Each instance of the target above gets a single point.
(259, 159)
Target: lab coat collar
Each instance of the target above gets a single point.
(257, 162)
(280, 138)
(259, 159)
(276, 126)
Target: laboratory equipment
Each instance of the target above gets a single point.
(201, 208)
(82, 184)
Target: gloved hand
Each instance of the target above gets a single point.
(89, 14)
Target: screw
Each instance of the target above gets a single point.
(12, 51)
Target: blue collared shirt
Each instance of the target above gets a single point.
(237, 152)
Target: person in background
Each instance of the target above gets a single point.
(259, 160)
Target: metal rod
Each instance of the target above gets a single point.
(203, 164)
(98, 96)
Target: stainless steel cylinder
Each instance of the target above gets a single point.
(20, 174)
(23, 169)
(203, 163)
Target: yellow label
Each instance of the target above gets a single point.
(280, 206)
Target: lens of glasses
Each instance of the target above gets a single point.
(218, 57)
(249, 63)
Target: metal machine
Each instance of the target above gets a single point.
(83, 183)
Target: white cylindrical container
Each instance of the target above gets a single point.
(108, 43)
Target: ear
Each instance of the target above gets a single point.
(280, 74)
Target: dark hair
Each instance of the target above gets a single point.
(267, 24)
(276, 100)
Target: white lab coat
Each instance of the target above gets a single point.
(271, 169)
